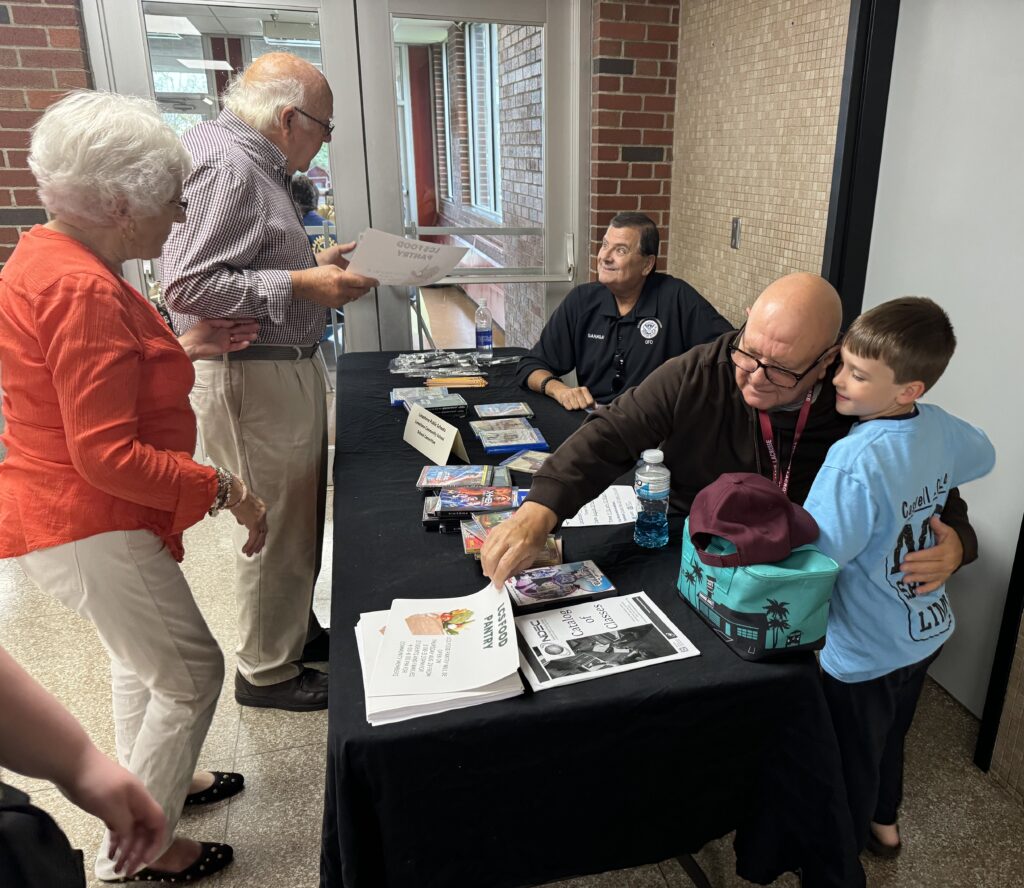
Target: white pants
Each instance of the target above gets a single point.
(166, 668)
(267, 422)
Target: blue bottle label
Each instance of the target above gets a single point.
(484, 339)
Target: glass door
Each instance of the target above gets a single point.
(474, 139)
(458, 120)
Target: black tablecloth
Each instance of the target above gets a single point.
(610, 773)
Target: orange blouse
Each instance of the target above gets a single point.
(99, 429)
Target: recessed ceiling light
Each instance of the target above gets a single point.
(170, 26)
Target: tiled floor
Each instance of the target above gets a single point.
(449, 316)
(960, 828)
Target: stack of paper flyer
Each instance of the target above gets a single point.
(430, 655)
(583, 641)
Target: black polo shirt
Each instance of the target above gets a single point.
(586, 332)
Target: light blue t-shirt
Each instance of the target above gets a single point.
(872, 499)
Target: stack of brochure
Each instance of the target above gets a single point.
(578, 642)
(435, 654)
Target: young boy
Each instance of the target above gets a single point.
(873, 500)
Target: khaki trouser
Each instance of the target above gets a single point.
(266, 421)
(166, 668)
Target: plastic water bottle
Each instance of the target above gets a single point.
(484, 334)
(652, 486)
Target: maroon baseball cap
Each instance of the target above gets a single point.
(754, 515)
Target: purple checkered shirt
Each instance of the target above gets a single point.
(243, 235)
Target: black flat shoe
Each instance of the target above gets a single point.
(880, 849)
(225, 784)
(212, 859)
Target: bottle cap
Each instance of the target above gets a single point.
(654, 457)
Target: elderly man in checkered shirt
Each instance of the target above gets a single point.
(244, 253)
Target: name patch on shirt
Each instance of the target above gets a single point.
(595, 336)
(649, 329)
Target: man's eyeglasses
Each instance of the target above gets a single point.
(779, 376)
(619, 380)
(180, 204)
(328, 127)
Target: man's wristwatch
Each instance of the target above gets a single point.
(544, 385)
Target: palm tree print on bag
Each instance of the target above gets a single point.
(778, 611)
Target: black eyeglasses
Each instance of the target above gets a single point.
(328, 127)
(181, 204)
(619, 380)
(779, 376)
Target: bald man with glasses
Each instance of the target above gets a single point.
(757, 400)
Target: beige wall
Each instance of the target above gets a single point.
(757, 103)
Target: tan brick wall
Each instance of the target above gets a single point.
(42, 56)
(1008, 755)
(757, 101)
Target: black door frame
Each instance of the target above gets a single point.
(870, 43)
(870, 46)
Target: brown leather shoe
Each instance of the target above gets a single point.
(304, 693)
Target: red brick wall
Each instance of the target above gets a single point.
(517, 308)
(42, 56)
(635, 49)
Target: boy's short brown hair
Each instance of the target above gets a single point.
(911, 335)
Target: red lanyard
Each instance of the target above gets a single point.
(769, 441)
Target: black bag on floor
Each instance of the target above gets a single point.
(34, 852)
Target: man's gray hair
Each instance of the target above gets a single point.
(259, 101)
(94, 151)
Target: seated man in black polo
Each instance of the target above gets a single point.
(616, 331)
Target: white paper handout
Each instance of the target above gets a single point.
(437, 645)
(394, 260)
(583, 641)
(391, 708)
(616, 505)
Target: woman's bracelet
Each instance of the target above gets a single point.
(241, 499)
(224, 485)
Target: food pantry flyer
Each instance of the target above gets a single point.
(445, 644)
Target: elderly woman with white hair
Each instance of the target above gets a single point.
(99, 481)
